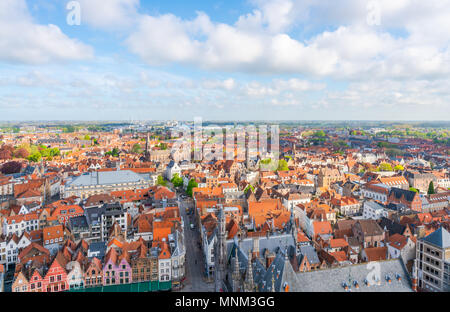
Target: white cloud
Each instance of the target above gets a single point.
(228, 84)
(279, 86)
(111, 14)
(226, 47)
(385, 95)
(36, 79)
(259, 42)
(23, 41)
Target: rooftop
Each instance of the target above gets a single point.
(331, 280)
(439, 238)
(106, 177)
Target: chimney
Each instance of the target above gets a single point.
(269, 260)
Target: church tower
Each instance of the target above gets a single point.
(293, 226)
(147, 147)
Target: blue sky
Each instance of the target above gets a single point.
(254, 59)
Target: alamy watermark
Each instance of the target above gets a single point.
(242, 143)
(373, 17)
(74, 16)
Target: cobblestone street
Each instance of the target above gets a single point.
(195, 280)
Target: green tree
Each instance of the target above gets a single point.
(266, 161)
(136, 149)
(114, 152)
(176, 180)
(87, 137)
(54, 152)
(248, 188)
(399, 168)
(161, 181)
(69, 129)
(320, 134)
(385, 167)
(431, 188)
(35, 157)
(282, 165)
(414, 189)
(190, 187)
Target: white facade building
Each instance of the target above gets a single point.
(374, 211)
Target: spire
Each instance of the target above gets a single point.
(249, 284)
(147, 147)
(273, 281)
(236, 272)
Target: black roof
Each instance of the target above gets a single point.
(399, 193)
(94, 214)
(392, 226)
(78, 222)
(99, 247)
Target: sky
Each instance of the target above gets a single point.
(224, 60)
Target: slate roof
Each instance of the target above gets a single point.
(330, 280)
(310, 254)
(392, 226)
(282, 272)
(398, 193)
(439, 238)
(271, 244)
(106, 177)
(79, 222)
(100, 247)
(93, 215)
(262, 277)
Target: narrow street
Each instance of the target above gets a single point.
(194, 256)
